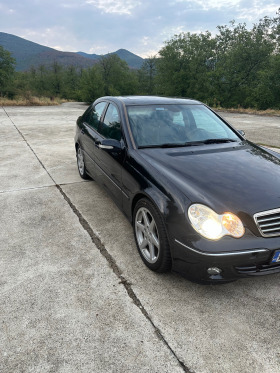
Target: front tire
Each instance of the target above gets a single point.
(151, 237)
(81, 163)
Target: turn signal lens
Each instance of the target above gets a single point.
(233, 225)
(213, 226)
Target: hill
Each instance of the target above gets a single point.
(133, 61)
(28, 54)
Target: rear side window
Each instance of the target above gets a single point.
(111, 126)
(94, 115)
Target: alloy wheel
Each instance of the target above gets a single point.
(147, 236)
(80, 161)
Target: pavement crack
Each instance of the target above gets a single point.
(110, 260)
(122, 280)
(25, 189)
(24, 139)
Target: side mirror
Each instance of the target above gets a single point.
(110, 144)
(241, 132)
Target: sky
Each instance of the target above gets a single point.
(141, 26)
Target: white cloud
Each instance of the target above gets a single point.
(115, 6)
(141, 26)
(57, 38)
(6, 9)
(148, 46)
(253, 14)
(249, 10)
(170, 31)
(209, 4)
(145, 40)
(100, 49)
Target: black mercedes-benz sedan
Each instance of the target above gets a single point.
(203, 201)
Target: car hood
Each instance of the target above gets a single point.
(242, 178)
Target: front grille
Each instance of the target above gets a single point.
(268, 222)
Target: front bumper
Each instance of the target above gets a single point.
(248, 259)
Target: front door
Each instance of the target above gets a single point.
(110, 163)
(89, 135)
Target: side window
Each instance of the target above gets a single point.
(111, 126)
(95, 114)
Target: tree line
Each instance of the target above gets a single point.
(236, 67)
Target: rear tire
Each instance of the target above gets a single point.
(151, 236)
(81, 163)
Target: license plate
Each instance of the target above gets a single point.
(276, 257)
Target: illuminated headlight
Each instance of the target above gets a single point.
(213, 226)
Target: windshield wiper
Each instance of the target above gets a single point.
(194, 143)
(166, 145)
(188, 143)
(216, 141)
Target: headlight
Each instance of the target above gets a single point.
(213, 226)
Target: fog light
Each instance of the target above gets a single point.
(214, 271)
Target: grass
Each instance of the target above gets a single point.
(269, 146)
(268, 112)
(31, 101)
(46, 101)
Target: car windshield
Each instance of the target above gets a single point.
(177, 125)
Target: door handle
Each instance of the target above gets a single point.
(100, 146)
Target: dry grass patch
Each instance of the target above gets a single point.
(31, 101)
(268, 112)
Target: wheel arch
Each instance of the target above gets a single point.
(136, 198)
(159, 202)
(158, 199)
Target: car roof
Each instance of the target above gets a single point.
(151, 100)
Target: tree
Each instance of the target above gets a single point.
(7, 68)
(117, 78)
(71, 78)
(183, 66)
(147, 75)
(240, 55)
(91, 85)
(266, 93)
(56, 78)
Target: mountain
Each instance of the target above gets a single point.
(91, 56)
(133, 61)
(28, 54)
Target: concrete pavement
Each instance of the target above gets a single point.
(74, 293)
(258, 128)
